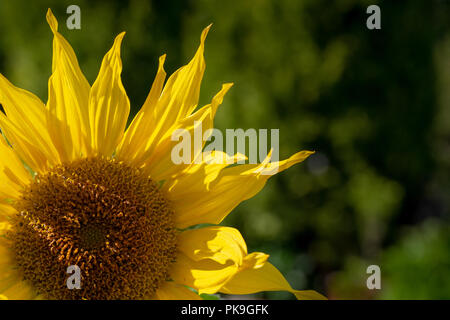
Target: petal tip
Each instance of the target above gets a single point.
(117, 43)
(162, 59)
(309, 152)
(224, 89)
(300, 156)
(120, 36)
(51, 20)
(204, 34)
(228, 85)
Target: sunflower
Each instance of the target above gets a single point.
(77, 189)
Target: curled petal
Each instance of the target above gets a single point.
(232, 186)
(68, 98)
(109, 105)
(265, 278)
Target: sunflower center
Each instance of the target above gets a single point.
(92, 237)
(105, 217)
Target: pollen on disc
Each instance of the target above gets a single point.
(105, 217)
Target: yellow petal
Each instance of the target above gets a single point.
(5, 254)
(172, 291)
(4, 227)
(6, 211)
(25, 126)
(208, 258)
(218, 243)
(8, 274)
(19, 291)
(13, 175)
(109, 105)
(132, 146)
(232, 186)
(68, 98)
(8, 277)
(265, 278)
(207, 276)
(254, 260)
(198, 176)
(163, 111)
(180, 95)
(160, 165)
(186, 88)
(12, 286)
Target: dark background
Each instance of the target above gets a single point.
(374, 104)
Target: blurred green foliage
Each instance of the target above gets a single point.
(375, 105)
